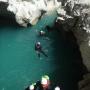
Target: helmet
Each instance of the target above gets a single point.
(31, 87)
(41, 31)
(57, 88)
(38, 43)
(44, 80)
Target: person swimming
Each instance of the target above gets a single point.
(42, 33)
(43, 84)
(38, 49)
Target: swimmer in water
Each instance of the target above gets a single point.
(38, 49)
(42, 33)
(38, 85)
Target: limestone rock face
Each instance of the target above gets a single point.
(3, 10)
(78, 22)
(75, 15)
(29, 11)
(85, 83)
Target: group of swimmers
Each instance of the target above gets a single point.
(43, 84)
(38, 46)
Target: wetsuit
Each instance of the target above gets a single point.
(38, 86)
(39, 50)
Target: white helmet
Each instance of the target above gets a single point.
(41, 31)
(44, 81)
(38, 43)
(31, 87)
(57, 88)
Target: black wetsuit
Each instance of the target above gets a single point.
(38, 86)
(39, 50)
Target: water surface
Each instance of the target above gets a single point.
(19, 64)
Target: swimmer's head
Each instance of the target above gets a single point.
(43, 81)
(41, 31)
(38, 43)
(57, 88)
(31, 87)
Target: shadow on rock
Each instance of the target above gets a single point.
(69, 67)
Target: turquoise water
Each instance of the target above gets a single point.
(19, 64)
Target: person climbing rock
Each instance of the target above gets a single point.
(43, 34)
(38, 49)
